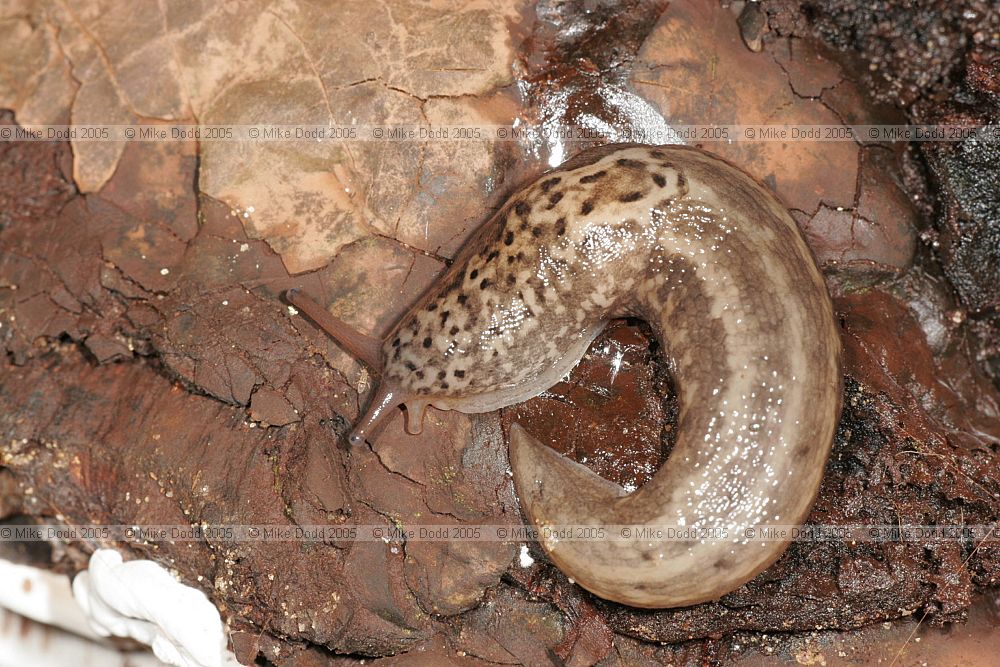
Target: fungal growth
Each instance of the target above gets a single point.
(716, 266)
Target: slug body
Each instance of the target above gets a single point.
(714, 263)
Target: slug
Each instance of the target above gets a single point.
(716, 265)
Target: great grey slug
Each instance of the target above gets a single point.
(715, 264)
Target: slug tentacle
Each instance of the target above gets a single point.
(366, 349)
(415, 416)
(716, 265)
(381, 407)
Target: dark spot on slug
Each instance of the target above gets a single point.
(444, 316)
(473, 274)
(420, 375)
(442, 375)
(554, 199)
(536, 231)
(454, 331)
(511, 279)
(395, 342)
(496, 353)
(462, 298)
(444, 385)
(550, 183)
(428, 341)
(523, 226)
(660, 180)
(630, 196)
(631, 164)
(410, 366)
(509, 238)
(596, 176)
(522, 208)
(659, 155)
(682, 181)
(493, 255)
(510, 259)
(485, 283)
(560, 226)
(432, 307)
(587, 207)
(459, 374)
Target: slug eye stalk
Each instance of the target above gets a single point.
(368, 350)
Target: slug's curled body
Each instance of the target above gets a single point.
(715, 264)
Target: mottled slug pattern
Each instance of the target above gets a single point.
(715, 264)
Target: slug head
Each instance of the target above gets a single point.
(385, 399)
(390, 390)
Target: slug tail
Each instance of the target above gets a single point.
(539, 471)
